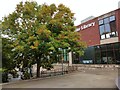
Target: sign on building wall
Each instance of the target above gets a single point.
(85, 26)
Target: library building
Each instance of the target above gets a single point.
(102, 36)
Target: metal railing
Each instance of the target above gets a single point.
(55, 72)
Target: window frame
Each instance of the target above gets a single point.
(108, 31)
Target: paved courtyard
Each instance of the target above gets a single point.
(95, 78)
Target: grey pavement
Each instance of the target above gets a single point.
(95, 78)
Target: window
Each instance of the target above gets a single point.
(112, 18)
(102, 36)
(102, 29)
(113, 26)
(103, 47)
(109, 47)
(117, 46)
(100, 22)
(108, 35)
(106, 20)
(107, 27)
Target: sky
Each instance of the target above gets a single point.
(81, 8)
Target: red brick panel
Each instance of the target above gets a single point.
(91, 33)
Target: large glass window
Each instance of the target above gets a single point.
(102, 29)
(108, 54)
(107, 27)
(117, 46)
(117, 55)
(110, 57)
(103, 57)
(109, 47)
(97, 58)
(113, 26)
(106, 20)
(103, 47)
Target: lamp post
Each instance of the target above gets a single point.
(62, 55)
(67, 58)
(62, 65)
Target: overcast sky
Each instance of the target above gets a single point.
(81, 8)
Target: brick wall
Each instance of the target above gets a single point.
(91, 34)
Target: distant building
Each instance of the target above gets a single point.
(119, 4)
(87, 19)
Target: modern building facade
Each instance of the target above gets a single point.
(102, 36)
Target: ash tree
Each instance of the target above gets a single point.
(37, 30)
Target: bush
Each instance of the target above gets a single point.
(26, 75)
(14, 73)
(4, 77)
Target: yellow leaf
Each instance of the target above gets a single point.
(21, 48)
(32, 47)
(39, 31)
(36, 43)
(31, 38)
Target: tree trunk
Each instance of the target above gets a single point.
(38, 68)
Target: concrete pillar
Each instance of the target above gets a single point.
(70, 58)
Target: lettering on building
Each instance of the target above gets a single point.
(86, 26)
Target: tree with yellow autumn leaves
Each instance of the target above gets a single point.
(36, 30)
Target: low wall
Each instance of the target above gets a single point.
(59, 66)
(94, 66)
